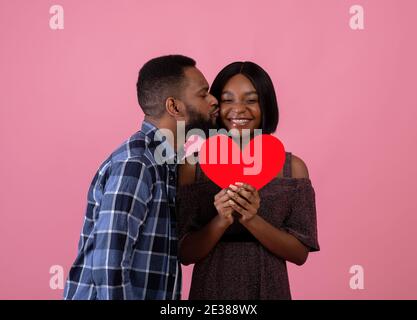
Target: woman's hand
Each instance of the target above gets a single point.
(223, 208)
(245, 200)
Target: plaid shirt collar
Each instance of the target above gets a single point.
(154, 138)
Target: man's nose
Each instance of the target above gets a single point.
(213, 100)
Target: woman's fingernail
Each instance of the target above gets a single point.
(230, 192)
(239, 183)
(232, 186)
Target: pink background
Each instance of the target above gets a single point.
(348, 104)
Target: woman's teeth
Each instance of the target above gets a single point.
(240, 122)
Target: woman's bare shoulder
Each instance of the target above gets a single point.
(298, 167)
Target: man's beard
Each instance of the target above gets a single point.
(197, 121)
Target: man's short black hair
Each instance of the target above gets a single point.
(159, 79)
(263, 85)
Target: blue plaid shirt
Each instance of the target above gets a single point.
(128, 243)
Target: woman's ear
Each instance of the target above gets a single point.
(175, 108)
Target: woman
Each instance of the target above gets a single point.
(240, 238)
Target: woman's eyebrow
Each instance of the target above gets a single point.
(246, 93)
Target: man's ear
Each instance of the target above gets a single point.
(175, 108)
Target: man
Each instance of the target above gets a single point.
(128, 244)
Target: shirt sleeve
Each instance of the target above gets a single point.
(302, 220)
(124, 208)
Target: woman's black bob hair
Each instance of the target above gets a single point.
(263, 85)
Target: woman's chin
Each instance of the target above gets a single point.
(240, 132)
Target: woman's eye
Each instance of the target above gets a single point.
(252, 101)
(226, 101)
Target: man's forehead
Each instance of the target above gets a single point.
(195, 77)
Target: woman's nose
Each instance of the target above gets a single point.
(239, 106)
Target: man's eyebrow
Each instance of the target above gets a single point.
(204, 88)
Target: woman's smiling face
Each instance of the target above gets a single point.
(239, 105)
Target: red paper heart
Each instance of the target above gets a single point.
(217, 162)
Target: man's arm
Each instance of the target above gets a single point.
(124, 208)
